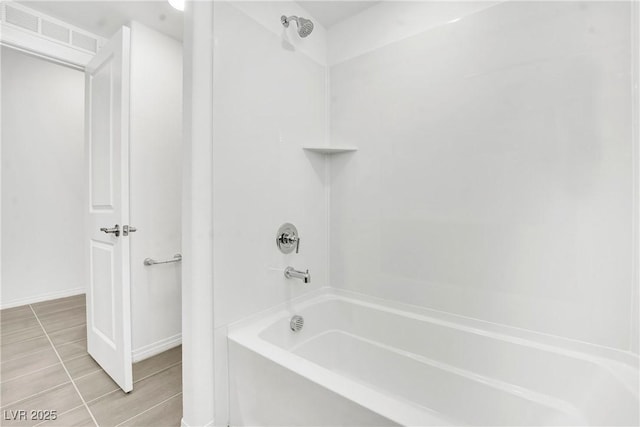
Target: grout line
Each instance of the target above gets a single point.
(66, 329)
(59, 318)
(148, 409)
(71, 342)
(64, 367)
(61, 310)
(138, 380)
(7, 323)
(158, 371)
(227, 372)
(57, 301)
(3, 336)
(328, 176)
(35, 338)
(135, 382)
(91, 373)
(37, 351)
(28, 373)
(31, 312)
(77, 357)
(21, 356)
(4, 405)
(58, 330)
(59, 415)
(103, 395)
(16, 309)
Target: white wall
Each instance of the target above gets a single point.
(42, 179)
(156, 185)
(263, 115)
(269, 101)
(494, 178)
(264, 12)
(197, 221)
(392, 21)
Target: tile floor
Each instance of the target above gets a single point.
(45, 366)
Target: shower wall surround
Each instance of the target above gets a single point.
(269, 99)
(494, 177)
(262, 177)
(392, 21)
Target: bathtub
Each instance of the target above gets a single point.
(360, 361)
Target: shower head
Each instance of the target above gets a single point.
(305, 26)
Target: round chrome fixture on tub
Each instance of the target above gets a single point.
(296, 323)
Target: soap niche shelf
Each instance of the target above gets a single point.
(330, 150)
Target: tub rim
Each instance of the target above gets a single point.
(607, 357)
(247, 333)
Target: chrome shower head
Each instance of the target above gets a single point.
(305, 26)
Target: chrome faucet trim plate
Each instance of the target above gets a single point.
(287, 238)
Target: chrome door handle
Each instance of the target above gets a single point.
(126, 229)
(115, 230)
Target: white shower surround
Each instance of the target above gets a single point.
(350, 172)
(496, 176)
(364, 361)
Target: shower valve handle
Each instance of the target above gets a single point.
(287, 238)
(290, 239)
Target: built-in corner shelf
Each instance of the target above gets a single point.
(330, 150)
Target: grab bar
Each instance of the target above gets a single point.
(150, 261)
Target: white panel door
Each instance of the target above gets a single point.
(107, 160)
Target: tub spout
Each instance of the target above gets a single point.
(291, 272)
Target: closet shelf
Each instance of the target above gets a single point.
(330, 150)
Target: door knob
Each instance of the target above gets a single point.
(114, 230)
(126, 229)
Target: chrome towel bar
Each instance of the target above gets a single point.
(150, 261)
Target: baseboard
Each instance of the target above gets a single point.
(184, 424)
(42, 297)
(157, 347)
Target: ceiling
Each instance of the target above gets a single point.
(329, 13)
(104, 18)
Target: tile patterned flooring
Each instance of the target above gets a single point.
(45, 366)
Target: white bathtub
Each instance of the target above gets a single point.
(362, 361)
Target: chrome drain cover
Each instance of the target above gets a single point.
(296, 323)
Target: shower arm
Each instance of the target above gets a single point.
(287, 19)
